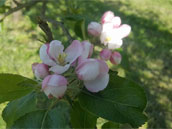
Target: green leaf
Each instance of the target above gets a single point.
(80, 28)
(123, 101)
(57, 117)
(81, 118)
(14, 86)
(110, 125)
(18, 108)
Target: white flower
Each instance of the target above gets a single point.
(53, 55)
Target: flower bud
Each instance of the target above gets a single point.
(54, 85)
(116, 58)
(40, 70)
(107, 17)
(94, 29)
(105, 54)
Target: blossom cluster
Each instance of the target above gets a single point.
(93, 72)
(111, 33)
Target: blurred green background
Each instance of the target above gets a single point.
(147, 52)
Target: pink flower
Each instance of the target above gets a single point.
(94, 73)
(40, 70)
(54, 85)
(105, 54)
(94, 29)
(116, 58)
(53, 55)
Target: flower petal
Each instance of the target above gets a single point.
(123, 31)
(89, 69)
(58, 69)
(87, 49)
(73, 51)
(55, 49)
(57, 92)
(45, 57)
(100, 83)
(115, 43)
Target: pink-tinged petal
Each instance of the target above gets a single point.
(105, 54)
(45, 57)
(116, 58)
(99, 84)
(88, 70)
(103, 67)
(54, 85)
(58, 69)
(115, 43)
(107, 17)
(41, 71)
(123, 31)
(94, 29)
(57, 92)
(34, 66)
(116, 21)
(57, 80)
(73, 51)
(55, 48)
(45, 81)
(87, 49)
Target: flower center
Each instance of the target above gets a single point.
(107, 39)
(61, 59)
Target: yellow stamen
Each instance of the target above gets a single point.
(108, 39)
(61, 58)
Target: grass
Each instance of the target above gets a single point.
(147, 52)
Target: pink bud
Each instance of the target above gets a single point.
(40, 70)
(94, 29)
(105, 54)
(107, 17)
(54, 85)
(116, 58)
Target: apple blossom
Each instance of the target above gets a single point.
(112, 36)
(116, 58)
(40, 70)
(94, 29)
(94, 73)
(53, 55)
(105, 54)
(54, 85)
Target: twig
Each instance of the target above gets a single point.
(61, 24)
(18, 7)
(16, 2)
(44, 26)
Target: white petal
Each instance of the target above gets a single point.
(55, 91)
(58, 69)
(55, 49)
(88, 69)
(45, 57)
(98, 84)
(113, 44)
(73, 51)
